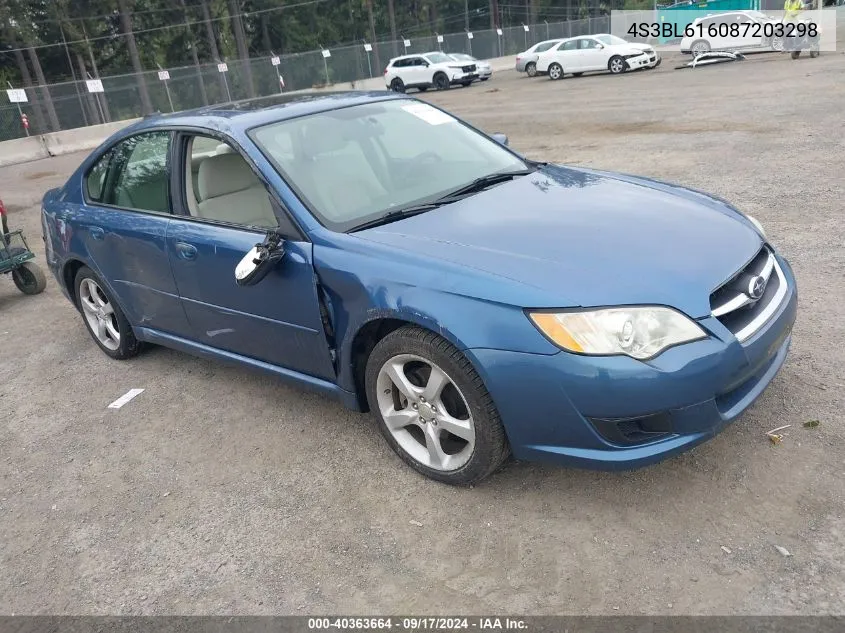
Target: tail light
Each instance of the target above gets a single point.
(385, 71)
(2, 209)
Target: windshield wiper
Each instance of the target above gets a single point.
(397, 214)
(480, 184)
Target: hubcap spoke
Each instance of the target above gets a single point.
(460, 428)
(397, 376)
(436, 455)
(88, 305)
(101, 329)
(397, 420)
(434, 387)
(107, 309)
(112, 330)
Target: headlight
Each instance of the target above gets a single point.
(638, 332)
(757, 224)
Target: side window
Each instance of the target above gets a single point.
(544, 47)
(221, 186)
(569, 46)
(587, 44)
(142, 182)
(400, 63)
(95, 180)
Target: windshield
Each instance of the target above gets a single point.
(438, 58)
(463, 57)
(355, 164)
(610, 40)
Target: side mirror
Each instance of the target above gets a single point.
(599, 45)
(426, 64)
(500, 138)
(259, 260)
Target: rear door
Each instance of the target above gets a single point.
(221, 217)
(569, 56)
(124, 225)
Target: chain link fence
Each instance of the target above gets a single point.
(67, 105)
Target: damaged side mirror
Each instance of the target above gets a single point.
(260, 260)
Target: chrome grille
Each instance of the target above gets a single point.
(748, 300)
(469, 69)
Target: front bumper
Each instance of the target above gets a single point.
(559, 407)
(640, 61)
(463, 78)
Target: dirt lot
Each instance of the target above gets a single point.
(220, 491)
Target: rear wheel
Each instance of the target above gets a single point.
(433, 408)
(29, 278)
(397, 85)
(699, 47)
(617, 65)
(555, 71)
(531, 69)
(103, 317)
(795, 54)
(441, 81)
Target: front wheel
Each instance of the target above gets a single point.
(531, 69)
(441, 81)
(433, 408)
(555, 71)
(29, 278)
(616, 65)
(103, 317)
(777, 44)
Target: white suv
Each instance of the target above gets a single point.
(428, 70)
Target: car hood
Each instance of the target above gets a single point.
(587, 238)
(641, 47)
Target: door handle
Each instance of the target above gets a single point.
(97, 233)
(186, 251)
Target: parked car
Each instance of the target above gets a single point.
(485, 71)
(429, 70)
(526, 61)
(366, 245)
(602, 52)
(712, 33)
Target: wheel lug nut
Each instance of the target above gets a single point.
(415, 405)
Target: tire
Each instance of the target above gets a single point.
(531, 69)
(441, 81)
(461, 403)
(577, 74)
(777, 44)
(616, 65)
(555, 71)
(485, 78)
(126, 345)
(29, 278)
(795, 54)
(397, 85)
(699, 47)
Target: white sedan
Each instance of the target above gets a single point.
(578, 55)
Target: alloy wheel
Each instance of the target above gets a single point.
(99, 314)
(617, 66)
(425, 412)
(555, 71)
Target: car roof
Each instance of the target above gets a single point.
(393, 59)
(248, 113)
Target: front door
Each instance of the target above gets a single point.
(228, 210)
(592, 55)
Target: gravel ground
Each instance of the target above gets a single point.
(220, 491)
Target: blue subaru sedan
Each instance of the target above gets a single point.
(378, 249)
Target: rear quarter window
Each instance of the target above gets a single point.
(95, 179)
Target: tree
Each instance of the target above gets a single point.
(126, 22)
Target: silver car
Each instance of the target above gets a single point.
(483, 68)
(526, 61)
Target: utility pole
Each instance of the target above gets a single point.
(466, 15)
